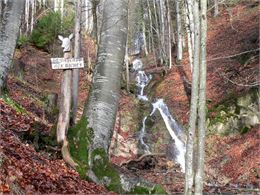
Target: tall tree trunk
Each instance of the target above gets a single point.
(189, 36)
(95, 19)
(199, 174)
(169, 34)
(103, 99)
(88, 16)
(9, 30)
(62, 9)
(75, 72)
(157, 30)
(179, 30)
(27, 15)
(144, 37)
(189, 175)
(162, 27)
(33, 11)
(216, 12)
(151, 26)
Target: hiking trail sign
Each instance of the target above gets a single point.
(70, 63)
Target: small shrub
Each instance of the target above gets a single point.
(23, 40)
(49, 27)
(46, 30)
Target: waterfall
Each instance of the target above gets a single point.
(172, 126)
(141, 137)
(137, 64)
(142, 80)
(173, 129)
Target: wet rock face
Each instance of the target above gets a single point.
(238, 116)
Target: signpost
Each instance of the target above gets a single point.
(62, 63)
(67, 63)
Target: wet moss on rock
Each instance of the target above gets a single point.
(105, 171)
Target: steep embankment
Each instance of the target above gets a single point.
(30, 160)
(232, 73)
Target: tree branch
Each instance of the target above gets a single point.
(257, 83)
(234, 55)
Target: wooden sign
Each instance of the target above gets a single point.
(62, 63)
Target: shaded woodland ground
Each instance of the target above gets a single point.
(32, 162)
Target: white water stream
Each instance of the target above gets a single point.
(142, 81)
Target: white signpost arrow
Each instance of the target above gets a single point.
(62, 63)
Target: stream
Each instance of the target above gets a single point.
(172, 126)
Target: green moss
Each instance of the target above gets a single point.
(79, 138)
(17, 107)
(104, 170)
(244, 130)
(157, 189)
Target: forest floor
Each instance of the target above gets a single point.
(29, 165)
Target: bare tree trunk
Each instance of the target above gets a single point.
(33, 11)
(27, 15)
(144, 37)
(126, 56)
(95, 19)
(199, 174)
(157, 30)
(216, 12)
(127, 67)
(179, 31)
(189, 175)
(103, 99)
(151, 26)
(75, 72)
(190, 29)
(189, 36)
(169, 34)
(62, 9)
(9, 30)
(56, 5)
(162, 25)
(88, 16)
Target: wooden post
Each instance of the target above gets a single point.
(65, 103)
(65, 100)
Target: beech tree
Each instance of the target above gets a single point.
(75, 72)
(179, 30)
(198, 102)
(10, 21)
(90, 138)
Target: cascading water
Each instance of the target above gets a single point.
(142, 80)
(137, 64)
(175, 131)
(141, 137)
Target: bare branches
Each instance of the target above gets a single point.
(234, 55)
(257, 83)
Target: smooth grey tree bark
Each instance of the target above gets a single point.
(169, 34)
(75, 72)
(103, 99)
(179, 30)
(189, 174)
(151, 47)
(216, 12)
(9, 31)
(199, 172)
(102, 104)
